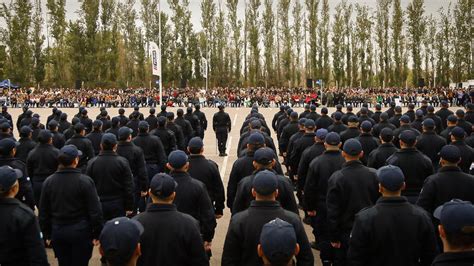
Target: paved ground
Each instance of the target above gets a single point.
(225, 163)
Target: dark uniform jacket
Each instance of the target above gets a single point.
(123, 120)
(286, 134)
(275, 119)
(449, 183)
(243, 197)
(63, 125)
(85, 146)
(307, 140)
(113, 130)
(369, 143)
(415, 166)
(152, 147)
(171, 238)
(337, 127)
(136, 160)
(207, 172)
(411, 114)
(58, 139)
(306, 158)
(465, 258)
(188, 130)
(25, 194)
(443, 113)
(221, 122)
(378, 157)
(133, 124)
(350, 189)
(438, 122)
(192, 198)
(106, 123)
(244, 231)
(24, 148)
(431, 144)
(398, 131)
(20, 238)
(168, 139)
(291, 144)
(467, 155)
(69, 197)
(375, 242)
(202, 119)
(152, 121)
(446, 133)
(349, 133)
(324, 122)
(244, 139)
(87, 122)
(465, 125)
(112, 177)
(42, 162)
(96, 138)
(178, 133)
(378, 128)
(195, 123)
(319, 172)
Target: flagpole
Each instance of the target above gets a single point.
(159, 45)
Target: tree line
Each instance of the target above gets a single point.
(276, 43)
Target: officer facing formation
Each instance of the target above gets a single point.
(221, 124)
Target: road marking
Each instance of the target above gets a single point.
(226, 159)
(235, 120)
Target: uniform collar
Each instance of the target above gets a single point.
(196, 156)
(450, 169)
(264, 203)
(391, 200)
(9, 201)
(453, 257)
(354, 163)
(107, 153)
(159, 207)
(69, 170)
(387, 144)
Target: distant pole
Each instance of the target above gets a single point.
(159, 45)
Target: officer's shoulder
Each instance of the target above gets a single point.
(212, 163)
(291, 217)
(23, 212)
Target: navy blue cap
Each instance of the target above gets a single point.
(7, 145)
(103, 113)
(25, 130)
(391, 177)
(460, 113)
(8, 177)
(278, 240)
(177, 159)
(294, 115)
(152, 111)
(53, 124)
(282, 107)
(119, 239)
(384, 116)
(256, 138)
(163, 185)
(366, 126)
(79, 127)
(124, 132)
(337, 116)
(289, 111)
(349, 107)
(364, 110)
(452, 119)
(115, 120)
(109, 139)
(405, 119)
(419, 113)
(264, 156)
(161, 121)
(398, 109)
(324, 110)
(458, 132)
(75, 121)
(408, 137)
(444, 103)
(35, 121)
(386, 132)
(70, 151)
(332, 139)
(353, 119)
(312, 107)
(5, 125)
(265, 182)
(430, 109)
(352, 147)
(170, 115)
(44, 136)
(143, 125)
(97, 123)
(450, 153)
(163, 107)
(309, 124)
(195, 142)
(429, 123)
(256, 124)
(321, 133)
(302, 121)
(456, 217)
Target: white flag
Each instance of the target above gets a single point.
(204, 67)
(155, 57)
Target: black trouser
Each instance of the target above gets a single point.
(221, 136)
(152, 169)
(112, 209)
(320, 231)
(72, 244)
(140, 202)
(37, 187)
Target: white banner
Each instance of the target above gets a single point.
(204, 67)
(155, 57)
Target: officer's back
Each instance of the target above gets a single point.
(430, 143)
(96, 136)
(26, 144)
(83, 144)
(152, 146)
(378, 157)
(458, 136)
(166, 136)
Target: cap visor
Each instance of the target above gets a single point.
(437, 212)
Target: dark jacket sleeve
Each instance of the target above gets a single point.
(219, 194)
(161, 154)
(232, 186)
(142, 174)
(33, 243)
(359, 250)
(45, 213)
(311, 192)
(239, 204)
(232, 246)
(207, 216)
(305, 257)
(289, 202)
(26, 191)
(197, 253)
(429, 248)
(426, 198)
(128, 185)
(94, 208)
(89, 150)
(334, 208)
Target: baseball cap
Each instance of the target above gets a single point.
(384, 116)
(8, 177)
(294, 115)
(70, 151)
(456, 216)
(312, 107)
(460, 113)
(163, 185)
(452, 119)
(265, 182)
(333, 139)
(79, 127)
(124, 132)
(195, 142)
(430, 108)
(177, 159)
(302, 121)
(25, 130)
(143, 125)
(386, 132)
(256, 138)
(408, 137)
(352, 147)
(337, 116)
(161, 121)
(53, 124)
(264, 156)
(458, 132)
(256, 124)
(444, 103)
(170, 115)
(309, 124)
(405, 119)
(324, 110)
(429, 123)
(119, 238)
(4, 125)
(278, 240)
(353, 119)
(419, 113)
(321, 133)
(97, 123)
(391, 177)
(152, 111)
(109, 139)
(450, 153)
(7, 145)
(398, 109)
(366, 126)
(44, 136)
(189, 109)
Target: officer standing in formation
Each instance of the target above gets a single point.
(222, 126)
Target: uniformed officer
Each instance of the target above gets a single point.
(194, 121)
(70, 225)
(430, 143)
(287, 132)
(378, 157)
(7, 115)
(35, 126)
(284, 120)
(367, 140)
(21, 238)
(415, 165)
(140, 115)
(377, 113)
(413, 241)
(133, 123)
(444, 112)
(123, 118)
(171, 237)
(151, 119)
(206, 171)
(458, 136)
(68, 133)
(383, 123)
(26, 118)
(83, 144)
(254, 126)
(324, 121)
(53, 115)
(342, 205)
(166, 136)
(300, 145)
(86, 121)
(114, 126)
(264, 160)
(451, 123)
(120, 241)
(277, 115)
(395, 119)
(418, 122)
(188, 130)
(278, 244)
(21, 116)
(437, 120)
(192, 197)
(307, 110)
(248, 225)
(113, 179)
(26, 144)
(105, 119)
(449, 183)
(337, 126)
(221, 124)
(7, 158)
(364, 116)
(136, 160)
(352, 130)
(293, 139)
(404, 126)
(313, 115)
(347, 115)
(163, 112)
(96, 136)
(177, 130)
(42, 162)
(308, 156)
(63, 123)
(411, 112)
(456, 222)
(462, 122)
(58, 138)
(153, 150)
(202, 119)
